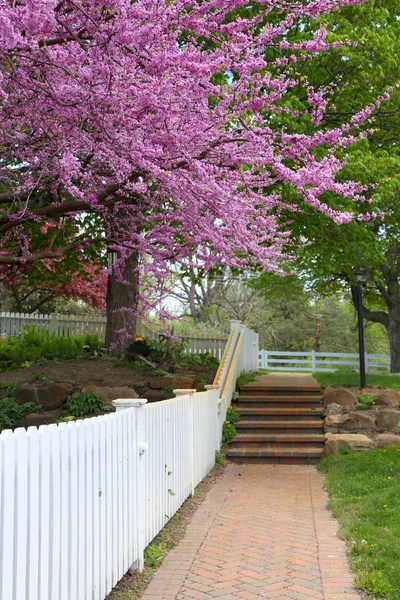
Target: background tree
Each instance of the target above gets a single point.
(145, 128)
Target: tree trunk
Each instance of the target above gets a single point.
(121, 296)
(393, 331)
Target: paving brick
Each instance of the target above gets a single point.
(266, 535)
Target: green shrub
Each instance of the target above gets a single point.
(204, 360)
(232, 415)
(168, 390)
(219, 458)
(153, 555)
(228, 432)
(157, 373)
(365, 401)
(82, 405)
(245, 378)
(38, 347)
(12, 414)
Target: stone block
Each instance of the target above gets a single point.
(47, 395)
(355, 442)
(339, 396)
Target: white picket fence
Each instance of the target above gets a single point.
(13, 324)
(79, 502)
(313, 362)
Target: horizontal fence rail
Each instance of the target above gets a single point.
(320, 361)
(13, 324)
(79, 502)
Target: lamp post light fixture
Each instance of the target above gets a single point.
(359, 274)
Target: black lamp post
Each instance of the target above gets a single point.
(359, 278)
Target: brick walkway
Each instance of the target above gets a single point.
(263, 532)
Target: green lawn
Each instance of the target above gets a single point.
(364, 492)
(351, 378)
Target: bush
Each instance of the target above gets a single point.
(365, 401)
(82, 405)
(204, 360)
(228, 432)
(12, 414)
(41, 346)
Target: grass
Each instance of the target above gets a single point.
(364, 492)
(132, 586)
(246, 378)
(352, 379)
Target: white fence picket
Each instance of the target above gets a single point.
(80, 501)
(319, 361)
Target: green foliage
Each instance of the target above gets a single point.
(352, 379)
(364, 492)
(34, 347)
(219, 458)
(153, 555)
(205, 360)
(365, 401)
(168, 390)
(157, 373)
(82, 405)
(228, 432)
(12, 414)
(245, 378)
(232, 416)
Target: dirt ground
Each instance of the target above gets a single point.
(101, 372)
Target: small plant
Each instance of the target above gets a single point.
(398, 427)
(64, 420)
(157, 373)
(82, 405)
(228, 432)
(245, 378)
(374, 583)
(38, 377)
(219, 458)
(168, 390)
(139, 384)
(153, 555)
(365, 401)
(232, 415)
(235, 396)
(12, 414)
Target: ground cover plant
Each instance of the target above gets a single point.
(364, 494)
(37, 347)
(347, 378)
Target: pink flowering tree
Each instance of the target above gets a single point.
(154, 130)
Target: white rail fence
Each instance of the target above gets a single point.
(320, 361)
(13, 324)
(80, 501)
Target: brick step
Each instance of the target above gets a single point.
(270, 403)
(275, 398)
(279, 426)
(281, 455)
(274, 460)
(281, 391)
(286, 413)
(279, 440)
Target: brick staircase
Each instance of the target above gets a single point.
(280, 421)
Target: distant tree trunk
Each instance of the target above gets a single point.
(120, 296)
(393, 331)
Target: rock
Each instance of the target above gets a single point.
(108, 394)
(333, 409)
(333, 423)
(357, 420)
(387, 439)
(180, 382)
(47, 395)
(42, 418)
(339, 396)
(388, 398)
(159, 383)
(387, 418)
(355, 442)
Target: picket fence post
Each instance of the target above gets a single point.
(54, 323)
(140, 500)
(313, 362)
